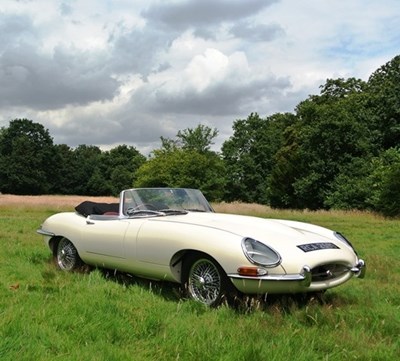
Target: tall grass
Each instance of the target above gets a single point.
(46, 314)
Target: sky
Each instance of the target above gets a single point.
(111, 72)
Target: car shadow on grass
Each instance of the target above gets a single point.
(169, 291)
(174, 292)
(286, 303)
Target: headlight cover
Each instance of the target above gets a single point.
(342, 238)
(260, 254)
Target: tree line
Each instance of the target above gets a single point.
(339, 149)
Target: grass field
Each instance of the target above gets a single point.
(46, 314)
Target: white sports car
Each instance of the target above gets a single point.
(174, 234)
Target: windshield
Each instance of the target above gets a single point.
(167, 200)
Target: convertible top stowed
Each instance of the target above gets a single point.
(87, 208)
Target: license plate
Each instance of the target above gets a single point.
(309, 247)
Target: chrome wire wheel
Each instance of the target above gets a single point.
(67, 256)
(204, 282)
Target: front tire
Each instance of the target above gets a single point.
(205, 280)
(67, 256)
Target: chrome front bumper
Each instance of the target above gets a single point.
(359, 269)
(300, 282)
(304, 277)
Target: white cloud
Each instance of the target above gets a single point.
(206, 69)
(112, 72)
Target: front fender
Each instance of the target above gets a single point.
(66, 224)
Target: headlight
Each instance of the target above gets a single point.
(258, 253)
(342, 238)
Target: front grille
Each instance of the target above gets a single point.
(328, 272)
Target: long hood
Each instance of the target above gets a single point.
(273, 232)
(298, 243)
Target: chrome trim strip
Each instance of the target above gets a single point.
(304, 276)
(45, 233)
(269, 265)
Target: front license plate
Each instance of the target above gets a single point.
(317, 246)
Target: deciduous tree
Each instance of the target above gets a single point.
(249, 156)
(27, 158)
(185, 162)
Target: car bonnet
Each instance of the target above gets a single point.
(272, 232)
(297, 243)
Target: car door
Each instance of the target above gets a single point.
(103, 241)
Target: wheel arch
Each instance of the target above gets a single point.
(54, 241)
(178, 259)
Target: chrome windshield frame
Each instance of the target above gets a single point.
(160, 199)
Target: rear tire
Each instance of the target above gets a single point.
(204, 279)
(67, 256)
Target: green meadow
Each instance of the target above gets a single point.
(47, 314)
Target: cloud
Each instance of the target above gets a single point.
(15, 29)
(137, 51)
(192, 13)
(127, 72)
(211, 84)
(66, 9)
(40, 81)
(257, 32)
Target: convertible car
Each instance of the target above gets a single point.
(174, 235)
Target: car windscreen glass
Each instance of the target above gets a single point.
(168, 200)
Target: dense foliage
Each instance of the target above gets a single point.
(31, 164)
(339, 149)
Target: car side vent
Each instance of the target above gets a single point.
(328, 271)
